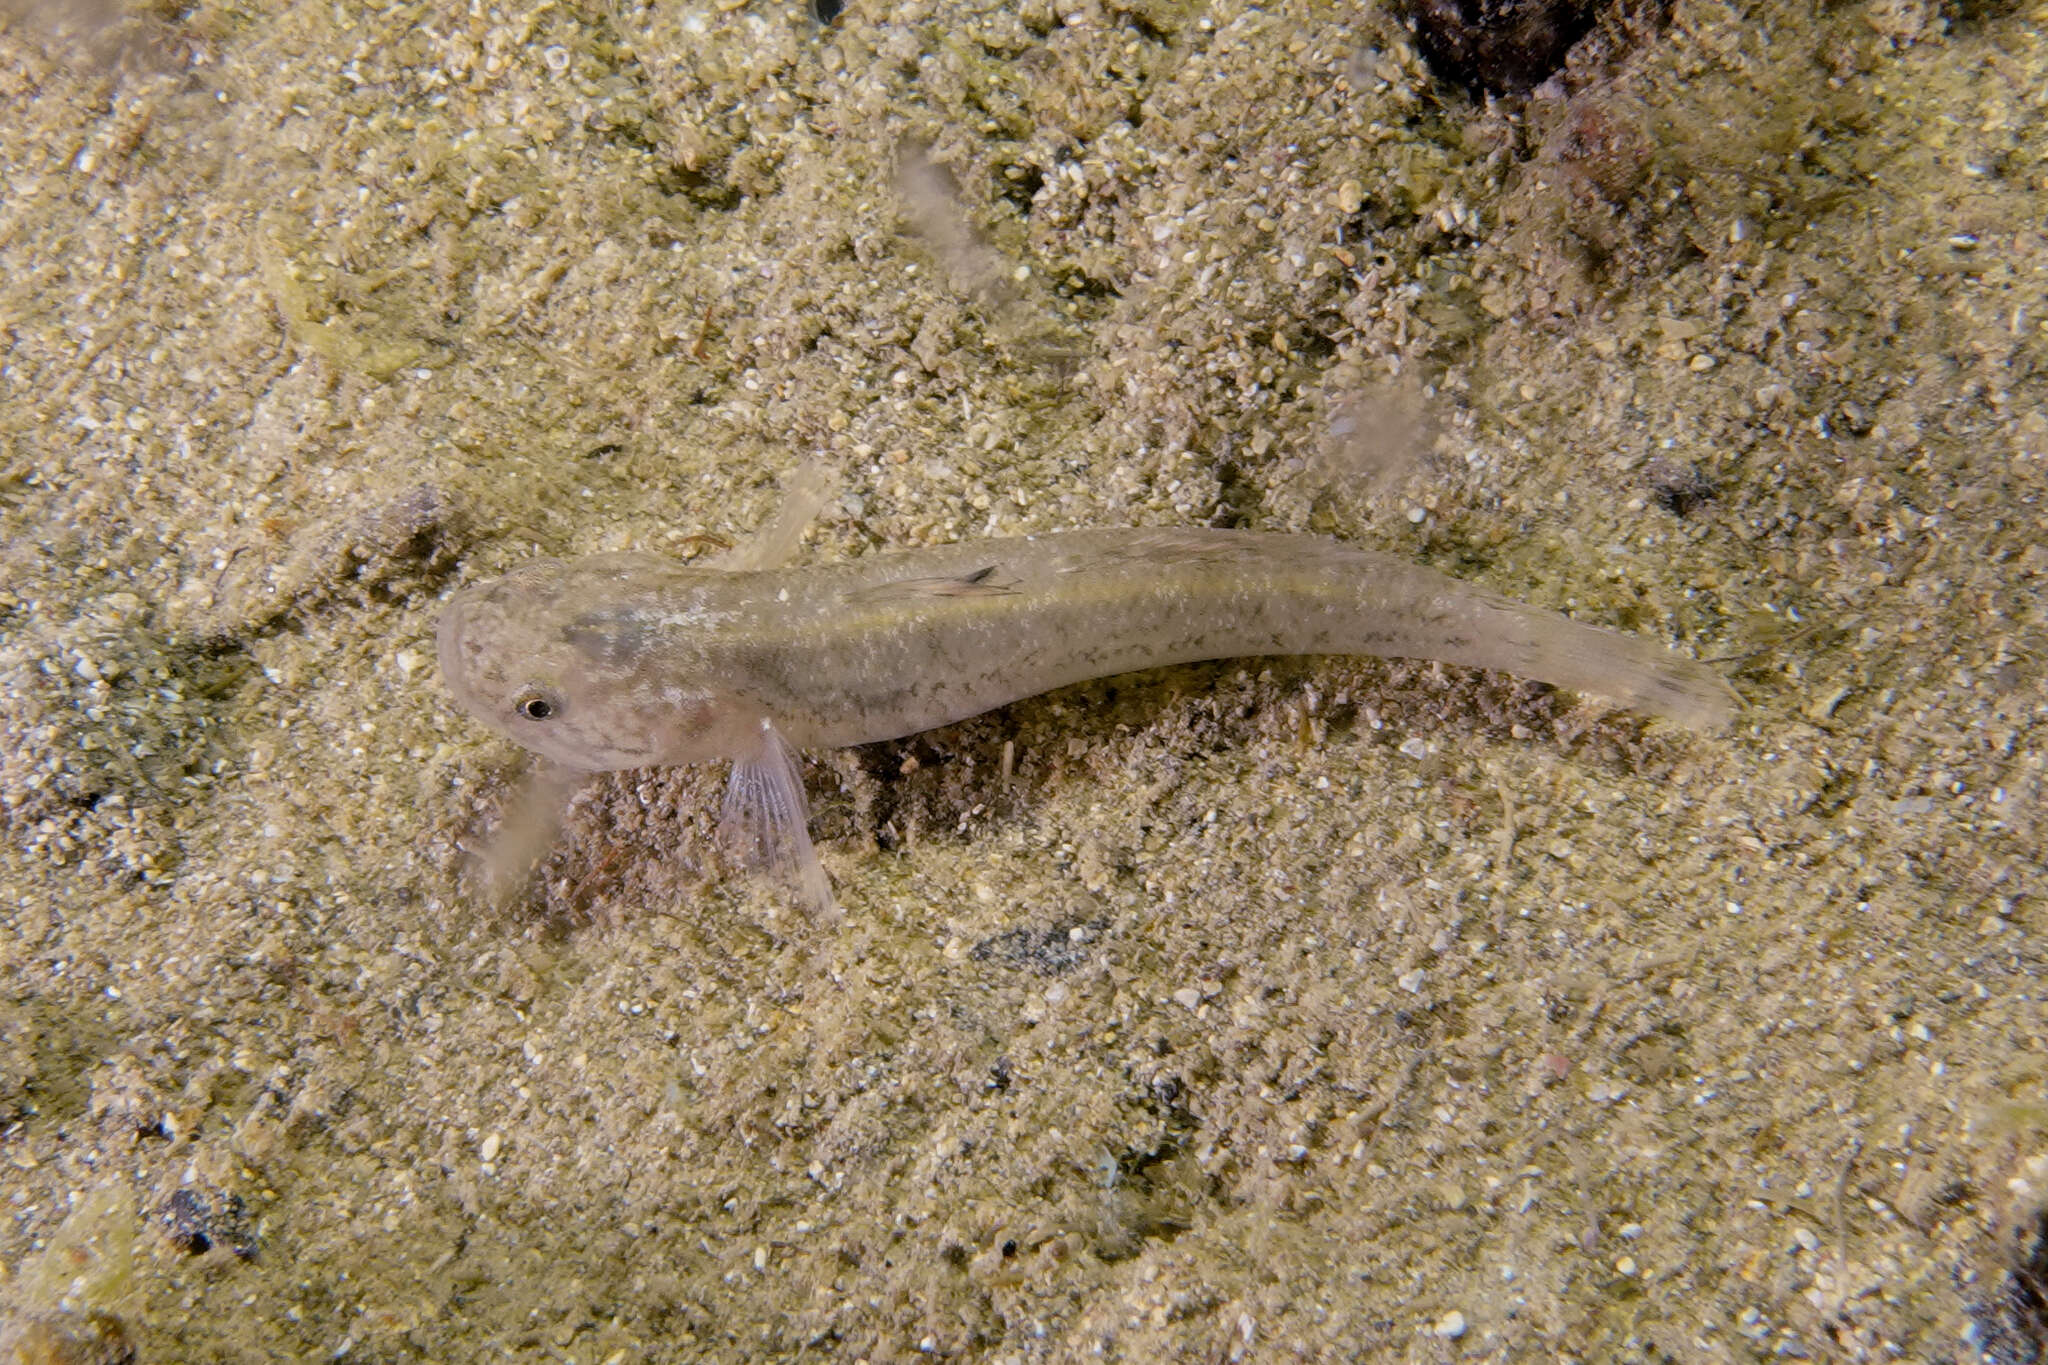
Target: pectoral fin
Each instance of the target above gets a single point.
(765, 822)
(531, 820)
(775, 543)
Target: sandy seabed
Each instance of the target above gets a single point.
(1266, 1010)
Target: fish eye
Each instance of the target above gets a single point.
(534, 704)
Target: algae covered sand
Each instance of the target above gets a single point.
(1263, 1010)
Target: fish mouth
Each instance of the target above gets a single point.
(453, 652)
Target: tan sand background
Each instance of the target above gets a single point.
(1318, 1010)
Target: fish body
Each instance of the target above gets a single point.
(622, 661)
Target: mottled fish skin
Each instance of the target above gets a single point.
(621, 661)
